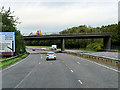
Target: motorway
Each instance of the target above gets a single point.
(67, 71)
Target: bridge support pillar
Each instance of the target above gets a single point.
(107, 43)
(62, 44)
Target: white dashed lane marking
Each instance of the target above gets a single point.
(80, 81)
(78, 62)
(71, 70)
(24, 79)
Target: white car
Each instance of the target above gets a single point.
(51, 56)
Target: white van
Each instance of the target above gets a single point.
(54, 47)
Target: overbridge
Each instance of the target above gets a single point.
(106, 38)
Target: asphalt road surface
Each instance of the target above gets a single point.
(66, 72)
(114, 55)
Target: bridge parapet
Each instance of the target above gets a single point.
(58, 34)
(81, 34)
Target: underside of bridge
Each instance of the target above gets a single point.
(106, 41)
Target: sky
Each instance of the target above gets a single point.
(119, 11)
(53, 16)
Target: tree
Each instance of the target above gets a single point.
(9, 24)
(96, 44)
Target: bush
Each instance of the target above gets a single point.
(95, 46)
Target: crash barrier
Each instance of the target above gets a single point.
(107, 60)
(41, 49)
(12, 57)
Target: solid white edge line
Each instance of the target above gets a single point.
(104, 66)
(12, 65)
(78, 62)
(80, 81)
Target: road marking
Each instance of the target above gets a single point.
(104, 66)
(12, 65)
(71, 70)
(39, 63)
(41, 56)
(80, 81)
(24, 79)
(78, 62)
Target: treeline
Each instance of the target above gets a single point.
(93, 44)
(43, 43)
(9, 24)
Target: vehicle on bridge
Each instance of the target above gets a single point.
(51, 56)
(33, 49)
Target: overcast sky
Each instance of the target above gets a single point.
(57, 15)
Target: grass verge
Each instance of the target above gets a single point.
(39, 46)
(2, 58)
(6, 63)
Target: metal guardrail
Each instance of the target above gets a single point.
(94, 57)
(11, 58)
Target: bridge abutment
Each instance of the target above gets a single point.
(107, 43)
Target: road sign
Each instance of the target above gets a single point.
(7, 42)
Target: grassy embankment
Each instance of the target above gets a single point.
(6, 63)
(39, 46)
(2, 58)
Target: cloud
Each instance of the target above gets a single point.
(119, 11)
(65, 15)
(55, 15)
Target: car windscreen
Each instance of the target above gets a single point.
(50, 53)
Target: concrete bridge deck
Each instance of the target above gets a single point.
(106, 38)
